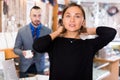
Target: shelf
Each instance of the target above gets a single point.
(99, 65)
(100, 74)
(113, 66)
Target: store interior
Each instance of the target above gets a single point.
(14, 14)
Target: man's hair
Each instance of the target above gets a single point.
(35, 7)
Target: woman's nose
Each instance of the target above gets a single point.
(72, 19)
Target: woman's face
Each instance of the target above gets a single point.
(73, 19)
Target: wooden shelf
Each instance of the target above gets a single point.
(99, 74)
(113, 67)
(9, 54)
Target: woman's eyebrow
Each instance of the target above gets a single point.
(75, 13)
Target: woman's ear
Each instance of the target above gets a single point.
(84, 23)
(60, 22)
(83, 27)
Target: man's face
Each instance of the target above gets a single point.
(35, 16)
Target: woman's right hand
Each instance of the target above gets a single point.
(57, 33)
(60, 29)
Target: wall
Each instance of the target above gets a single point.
(97, 14)
(13, 16)
(0, 15)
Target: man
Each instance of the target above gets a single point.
(30, 60)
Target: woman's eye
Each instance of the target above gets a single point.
(67, 16)
(77, 16)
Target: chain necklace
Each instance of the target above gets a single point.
(71, 40)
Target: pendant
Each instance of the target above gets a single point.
(71, 41)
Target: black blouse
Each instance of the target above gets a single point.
(72, 59)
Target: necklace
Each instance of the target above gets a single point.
(72, 40)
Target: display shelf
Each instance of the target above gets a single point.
(99, 74)
(99, 65)
(113, 67)
(9, 54)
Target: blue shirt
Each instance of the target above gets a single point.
(33, 29)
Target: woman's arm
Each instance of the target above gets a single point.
(91, 31)
(57, 32)
(105, 35)
(43, 44)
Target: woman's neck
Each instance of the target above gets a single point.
(71, 35)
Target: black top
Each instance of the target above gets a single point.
(73, 60)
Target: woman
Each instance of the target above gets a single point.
(71, 57)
